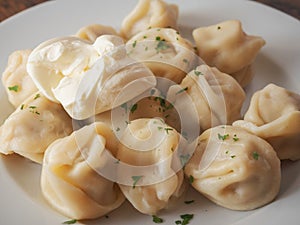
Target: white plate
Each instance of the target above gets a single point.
(278, 62)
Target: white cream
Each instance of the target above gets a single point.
(88, 79)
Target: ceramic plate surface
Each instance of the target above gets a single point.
(278, 62)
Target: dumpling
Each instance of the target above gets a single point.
(88, 79)
(227, 47)
(164, 51)
(234, 169)
(216, 96)
(71, 179)
(149, 181)
(18, 84)
(274, 115)
(92, 32)
(34, 125)
(149, 14)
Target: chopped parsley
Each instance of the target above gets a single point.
(185, 219)
(70, 221)
(191, 179)
(135, 180)
(197, 73)
(133, 108)
(134, 44)
(157, 219)
(22, 106)
(161, 45)
(235, 138)
(14, 88)
(189, 202)
(182, 90)
(36, 96)
(223, 137)
(255, 155)
(145, 37)
(33, 109)
(233, 156)
(167, 129)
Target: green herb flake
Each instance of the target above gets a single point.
(233, 156)
(118, 129)
(161, 45)
(223, 137)
(167, 129)
(255, 155)
(36, 96)
(185, 61)
(235, 138)
(70, 222)
(186, 218)
(219, 28)
(135, 180)
(182, 90)
(32, 107)
(22, 106)
(134, 44)
(191, 179)
(14, 88)
(157, 219)
(189, 202)
(197, 73)
(145, 37)
(133, 108)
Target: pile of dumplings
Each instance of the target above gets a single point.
(143, 113)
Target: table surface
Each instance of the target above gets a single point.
(11, 7)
